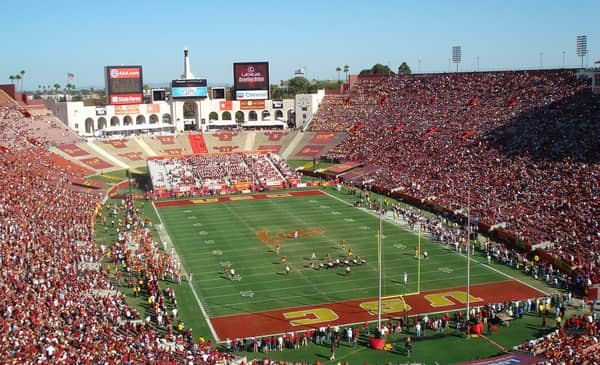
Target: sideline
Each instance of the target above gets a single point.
(164, 235)
(399, 223)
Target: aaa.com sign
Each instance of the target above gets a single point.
(133, 72)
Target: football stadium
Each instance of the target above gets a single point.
(388, 218)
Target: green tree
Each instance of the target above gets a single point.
(12, 79)
(299, 85)
(326, 84)
(346, 70)
(22, 75)
(404, 69)
(18, 77)
(56, 88)
(276, 92)
(338, 69)
(377, 69)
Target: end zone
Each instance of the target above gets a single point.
(361, 310)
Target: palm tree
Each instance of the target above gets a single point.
(346, 70)
(17, 77)
(338, 69)
(22, 73)
(12, 79)
(56, 87)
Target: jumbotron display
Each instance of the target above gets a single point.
(251, 80)
(189, 89)
(124, 85)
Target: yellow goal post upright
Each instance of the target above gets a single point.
(398, 300)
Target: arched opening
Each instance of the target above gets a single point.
(140, 119)
(153, 119)
(266, 115)
(190, 115)
(115, 122)
(101, 123)
(279, 114)
(89, 126)
(127, 120)
(166, 118)
(291, 118)
(239, 116)
(252, 116)
(213, 116)
(226, 116)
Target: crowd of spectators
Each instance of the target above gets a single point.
(59, 304)
(576, 342)
(520, 148)
(264, 169)
(205, 173)
(18, 128)
(289, 174)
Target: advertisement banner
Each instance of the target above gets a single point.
(226, 105)
(127, 109)
(123, 99)
(152, 108)
(129, 72)
(124, 84)
(277, 104)
(251, 76)
(252, 95)
(189, 92)
(189, 83)
(252, 104)
(100, 110)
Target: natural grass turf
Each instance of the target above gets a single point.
(210, 236)
(445, 350)
(449, 348)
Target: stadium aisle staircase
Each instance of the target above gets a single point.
(107, 155)
(149, 151)
(292, 146)
(249, 146)
(197, 143)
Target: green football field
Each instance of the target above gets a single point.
(242, 235)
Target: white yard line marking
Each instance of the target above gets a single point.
(165, 236)
(387, 218)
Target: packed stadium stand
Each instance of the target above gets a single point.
(521, 148)
(218, 173)
(59, 304)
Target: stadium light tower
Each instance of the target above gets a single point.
(582, 49)
(456, 55)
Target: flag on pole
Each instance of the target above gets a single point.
(70, 76)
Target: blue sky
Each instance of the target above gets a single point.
(48, 39)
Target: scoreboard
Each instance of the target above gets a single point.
(124, 85)
(251, 80)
